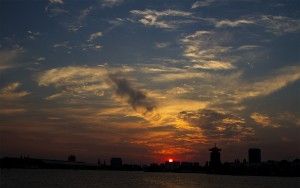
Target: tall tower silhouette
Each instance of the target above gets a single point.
(254, 155)
(215, 156)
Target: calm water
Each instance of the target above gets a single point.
(86, 178)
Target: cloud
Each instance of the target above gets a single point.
(92, 42)
(162, 44)
(288, 118)
(56, 1)
(64, 44)
(76, 22)
(75, 81)
(203, 3)
(111, 3)
(7, 57)
(214, 65)
(167, 77)
(72, 76)
(204, 49)
(85, 81)
(180, 90)
(94, 36)
(175, 89)
(203, 45)
(263, 120)
(84, 13)
(218, 125)
(235, 23)
(279, 25)
(33, 35)
(248, 47)
(10, 92)
(41, 59)
(55, 11)
(161, 19)
(237, 89)
(136, 98)
(208, 86)
(12, 111)
(271, 83)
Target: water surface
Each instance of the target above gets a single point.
(87, 178)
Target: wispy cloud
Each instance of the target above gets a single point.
(55, 11)
(263, 120)
(271, 83)
(64, 44)
(161, 19)
(94, 36)
(55, 8)
(7, 57)
(203, 3)
(279, 25)
(73, 23)
(248, 47)
(10, 92)
(111, 3)
(33, 35)
(56, 1)
(92, 42)
(41, 59)
(203, 49)
(184, 75)
(78, 23)
(233, 23)
(84, 13)
(214, 65)
(68, 76)
(162, 44)
(12, 111)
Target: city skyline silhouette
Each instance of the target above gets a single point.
(252, 166)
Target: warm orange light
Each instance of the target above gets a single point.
(170, 160)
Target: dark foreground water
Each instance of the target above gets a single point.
(86, 178)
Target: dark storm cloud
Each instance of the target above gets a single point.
(137, 99)
(217, 125)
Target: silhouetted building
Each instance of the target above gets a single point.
(72, 158)
(196, 164)
(116, 163)
(186, 165)
(172, 165)
(99, 163)
(215, 157)
(254, 155)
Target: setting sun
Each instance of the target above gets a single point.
(170, 160)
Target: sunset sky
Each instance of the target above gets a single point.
(149, 80)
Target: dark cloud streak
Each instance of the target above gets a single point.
(137, 99)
